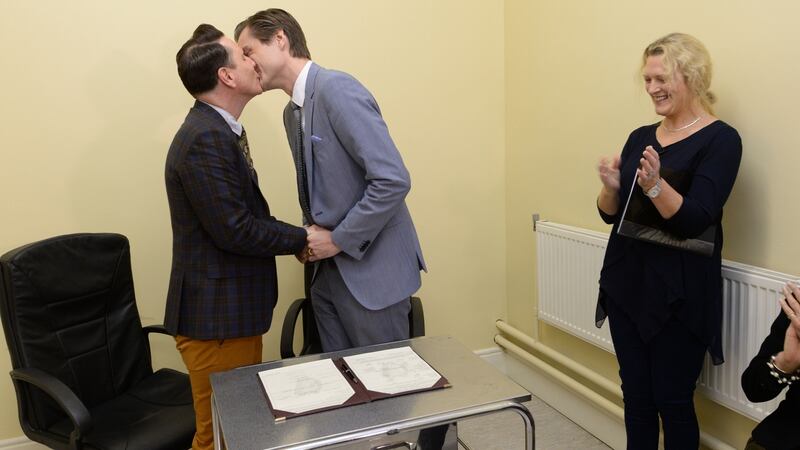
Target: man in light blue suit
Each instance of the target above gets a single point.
(352, 185)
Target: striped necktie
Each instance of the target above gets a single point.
(300, 165)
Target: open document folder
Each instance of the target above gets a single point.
(641, 220)
(333, 383)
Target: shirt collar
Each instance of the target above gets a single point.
(236, 127)
(299, 91)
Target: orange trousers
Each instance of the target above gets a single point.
(204, 357)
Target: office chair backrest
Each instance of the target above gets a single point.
(311, 343)
(68, 308)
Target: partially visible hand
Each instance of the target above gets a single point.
(649, 170)
(789, 359)
(320, 244)
(608, 170)
(302, 255)
(791, 305)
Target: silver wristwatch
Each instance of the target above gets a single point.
(655, 190)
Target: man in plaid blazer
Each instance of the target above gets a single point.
(223, 283)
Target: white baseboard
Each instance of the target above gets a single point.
(596, 421)
(494, 356)
(20, 443)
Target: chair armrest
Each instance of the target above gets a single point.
(152, 329)
(289, 324)
(62, 394)
(160, 329)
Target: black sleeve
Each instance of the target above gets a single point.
(712, 183)
(607, 218)
(757, 383)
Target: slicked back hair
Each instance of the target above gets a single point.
(264, 24)
(200, 58)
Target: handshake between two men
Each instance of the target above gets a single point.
(319, 245)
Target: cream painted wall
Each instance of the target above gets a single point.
(573, 94)
(91, 100)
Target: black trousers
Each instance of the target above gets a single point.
(658, 381)
(753, 445)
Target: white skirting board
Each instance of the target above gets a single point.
(494, 356)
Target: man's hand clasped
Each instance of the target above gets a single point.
(319, 245)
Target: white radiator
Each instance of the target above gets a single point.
(569, 260)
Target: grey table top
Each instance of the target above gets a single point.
(247, 422)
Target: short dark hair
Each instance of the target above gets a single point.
(264, 25)
(200, 58)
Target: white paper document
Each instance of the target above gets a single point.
(392, 371)
(305, 387)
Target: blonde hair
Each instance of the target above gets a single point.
(687, 55)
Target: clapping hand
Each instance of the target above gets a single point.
(789, 359)
(608, 170)
(649, 170)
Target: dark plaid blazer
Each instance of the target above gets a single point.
(223, 282)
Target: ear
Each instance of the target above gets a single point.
(281, 40)
(225, 76)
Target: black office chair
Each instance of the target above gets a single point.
(311, 340)
(81, 359)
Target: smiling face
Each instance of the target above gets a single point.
(668, 91)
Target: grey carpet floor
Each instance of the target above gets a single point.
(504, 431)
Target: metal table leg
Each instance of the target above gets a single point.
(432, 421)
(218, 444)
(523, 412)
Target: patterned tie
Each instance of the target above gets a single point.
(300, 165)
(245, 147)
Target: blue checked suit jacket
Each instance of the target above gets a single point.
(223, 282)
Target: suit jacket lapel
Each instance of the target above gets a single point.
(308, 112)
(214, 116)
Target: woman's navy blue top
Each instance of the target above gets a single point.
(653, 283)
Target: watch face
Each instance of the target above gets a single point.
(654, 191)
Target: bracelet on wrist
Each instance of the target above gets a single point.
(654, 190)
(780, 376)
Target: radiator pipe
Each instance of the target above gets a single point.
(558, 357)
(569, 382)
(605, 404)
